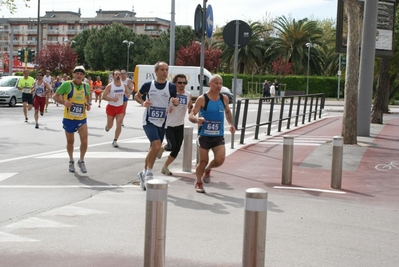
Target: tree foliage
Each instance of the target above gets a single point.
(10, 4)
(190, 56)
(58, 58)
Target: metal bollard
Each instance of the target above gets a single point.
(187, 149)
(254, 246)
(336, 165)
(288, 151)
(155, 223)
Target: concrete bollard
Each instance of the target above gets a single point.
(155, 223)
(187, 149)
(337, 159)
(288, 157)
(254, 246)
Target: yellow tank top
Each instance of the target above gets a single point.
(77, 111)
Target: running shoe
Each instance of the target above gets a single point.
(166, 171)
(106, 129)
(148, 177)
(82, 166)
(115, 144)
(71, 166)
(207, 176)
(198, 187)
(37, 126)
(140, 175)
(160, 152)
(26, 119)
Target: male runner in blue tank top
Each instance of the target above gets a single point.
(212, 107)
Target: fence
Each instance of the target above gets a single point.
(304, 110)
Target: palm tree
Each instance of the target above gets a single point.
(290, 41)
(250, 57)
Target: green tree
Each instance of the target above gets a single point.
(10, 5)
(80, 44)
(292, 36)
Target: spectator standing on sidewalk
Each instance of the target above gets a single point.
(26, 85)
(266, 90)
(114, 93)
(277, 90)
(175, 122)
(212, 107)
(74, 95)
(158, 94)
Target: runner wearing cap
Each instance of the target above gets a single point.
(74, 95)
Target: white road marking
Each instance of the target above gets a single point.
(310, 189)
(99, 155)
(6, 237)
(72, 211)
(7, 175)
(38, 223)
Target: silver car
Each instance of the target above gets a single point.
(9, 93)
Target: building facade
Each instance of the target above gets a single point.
(63, 26)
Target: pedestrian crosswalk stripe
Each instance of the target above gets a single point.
(6, 237)
(7, 175)
(72, 211)
(37, 223)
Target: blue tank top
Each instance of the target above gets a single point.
(214, 117)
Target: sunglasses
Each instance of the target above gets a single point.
(123, 72)
(182, 82)
(39, 75)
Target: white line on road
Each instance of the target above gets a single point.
(309, 189)
(7, 175)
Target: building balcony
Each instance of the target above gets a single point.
(72, 31)
(31, 31)
(52, 31)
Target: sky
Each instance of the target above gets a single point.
(224, 11)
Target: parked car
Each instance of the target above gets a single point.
(9, 93)
(226, 91)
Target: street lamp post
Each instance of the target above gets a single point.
(128, 43)
(308, 45)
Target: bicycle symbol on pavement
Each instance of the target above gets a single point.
(387, 167)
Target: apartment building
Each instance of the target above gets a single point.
(62, 26)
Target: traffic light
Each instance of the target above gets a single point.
(21, 55)
(31, 56)
(343, 62)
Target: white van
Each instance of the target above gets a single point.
(145, 73)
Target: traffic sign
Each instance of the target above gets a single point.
(209, 21)
(244, 33)
(198, 29)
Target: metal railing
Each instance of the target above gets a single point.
(304, 110)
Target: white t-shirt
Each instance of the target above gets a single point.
(116, 91)
(156, 113)
(176, 115)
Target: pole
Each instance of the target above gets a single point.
(127, 60)
(10, 65)
(235, 73)
(336, 164)
(307, 79)
(254, 245)
(202, 59)
(38, 36)
(187, 148)
(172, 35)
(155, 223)
(288, 152)
(366, 71)
(339, 74)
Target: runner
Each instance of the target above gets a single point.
(41, 90)
(74, 95)
(114, 93)
(128, 82)
(49, 80)
(212, 107)
(158, 95)
(175, 123)
(26, 85)
(98, 90)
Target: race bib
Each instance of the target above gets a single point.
(157, 113)
(182, 100)
(212, 127)
(39, 91)
(27, 90)
(76, 110)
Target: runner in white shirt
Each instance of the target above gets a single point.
(175, 122)
(128, 82)
(114, 93)
(48, 79)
